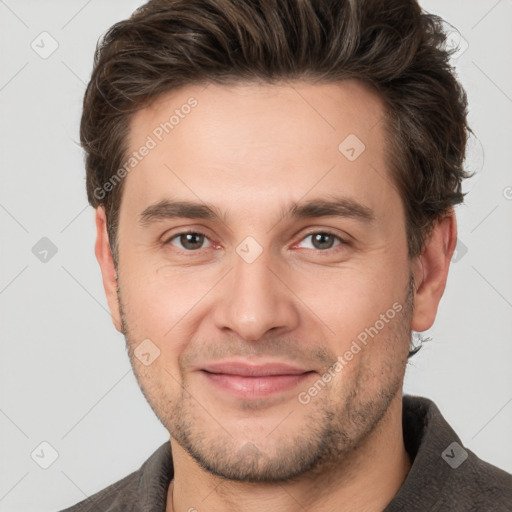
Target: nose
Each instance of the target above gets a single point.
(256, 298)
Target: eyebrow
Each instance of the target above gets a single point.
(332, 207)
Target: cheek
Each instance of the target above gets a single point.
(351, 298)
(160, 304)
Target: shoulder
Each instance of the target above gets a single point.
(112, 498)
(481, 485)
(144, 489)
(445, 475)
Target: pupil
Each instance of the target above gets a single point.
(187, 240)
(319, 239)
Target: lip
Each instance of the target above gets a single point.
(254, 370)
(250, 381)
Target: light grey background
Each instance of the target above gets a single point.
(64, 373)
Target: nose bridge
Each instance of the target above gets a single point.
(254, 300)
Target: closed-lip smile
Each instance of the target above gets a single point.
(247, 380)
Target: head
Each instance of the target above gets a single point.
(313, 152)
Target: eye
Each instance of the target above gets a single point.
(189, 240)
(192, 241)
(323, 240)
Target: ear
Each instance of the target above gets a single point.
(108, 271)
(431, 271)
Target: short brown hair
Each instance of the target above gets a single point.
(394, 47)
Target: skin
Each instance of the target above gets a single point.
(250, 150)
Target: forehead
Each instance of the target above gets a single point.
(261, 145)
(261, 112)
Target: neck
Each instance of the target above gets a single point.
(365, 480)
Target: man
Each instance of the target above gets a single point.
(274, 184)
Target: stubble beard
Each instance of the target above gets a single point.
(329, 434)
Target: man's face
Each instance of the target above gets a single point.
(260, 285)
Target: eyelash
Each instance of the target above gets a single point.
(343, 242)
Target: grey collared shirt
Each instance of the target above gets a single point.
(444, 475)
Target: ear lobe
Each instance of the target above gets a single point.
(108, 270)
(432, 271)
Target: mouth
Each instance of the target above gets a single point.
(248, 381)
